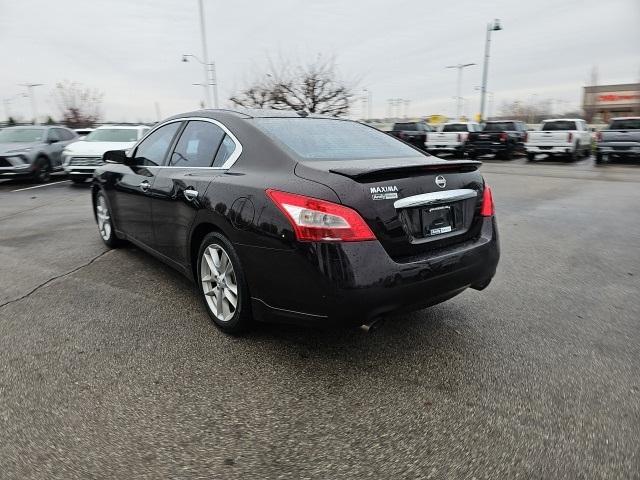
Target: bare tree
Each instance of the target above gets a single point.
(313, 88)
(79, 106)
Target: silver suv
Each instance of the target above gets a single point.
(33, 151)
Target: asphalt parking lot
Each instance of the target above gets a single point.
(110, 367)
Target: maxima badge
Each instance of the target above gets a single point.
(389, 192)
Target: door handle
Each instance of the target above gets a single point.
(144, 185)
(191, 195)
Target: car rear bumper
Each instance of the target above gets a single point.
(486, 147)
(619, 148)
(352, 283)
(556, 148)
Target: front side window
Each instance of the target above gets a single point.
(198, 145)
(328, 139)
(154, 148)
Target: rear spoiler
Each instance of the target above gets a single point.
(362, 173)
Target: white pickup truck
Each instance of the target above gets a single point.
(569, 137)
(450, 138)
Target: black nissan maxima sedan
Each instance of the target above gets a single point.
(283, 216)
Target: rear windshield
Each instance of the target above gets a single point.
(500, 127)
(326, 139)
(558, 125)
(626, 124)
(113, 135)
(455, 127)
(405, 126)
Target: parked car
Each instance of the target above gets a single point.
(414, 133)
(620, 140)
(502, 138)
(450, 138)
(310, 220)
(82, 158)
(33, 151)
(568, 137)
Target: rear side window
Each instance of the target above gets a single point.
(154, 148)
(558, 125)
(625, 124)
(198, 145)
(455, 127)
(224, 152)
(327, 139)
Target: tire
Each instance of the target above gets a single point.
(531, 156)
(576, 154)
(599, 159)
(42, 172)
(105, 222)
(219, 273)
(507, 154)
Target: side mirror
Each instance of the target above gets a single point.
(115, 156)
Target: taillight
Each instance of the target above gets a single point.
(570, 137)
(503, 137)
(487, 209)
(400, 135)
(598, 136)
(526, 137)
(459, 137)
(316, 220)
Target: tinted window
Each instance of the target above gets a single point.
(153, 149)
(64, 134)
(558, 125)
(113, 135)
(326, 139)
(224, 152)
(197, 145)
(406, 126)
(53, 135)
(500, 127)
(626, 124)
(455, 127)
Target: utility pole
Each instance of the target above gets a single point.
(32, 97)
(491, 27)
(208, 66)
(459, 67)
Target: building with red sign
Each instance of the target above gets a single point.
(602, 102)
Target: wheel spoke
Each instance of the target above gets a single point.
(219, 303)
(231, 297)
(210, 263)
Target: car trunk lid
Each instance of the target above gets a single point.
(413, 205)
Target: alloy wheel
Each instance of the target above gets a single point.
(219, 283)
(104, 219)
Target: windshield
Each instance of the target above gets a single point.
(406, 126)
(22, 135)
(558, 125)
(500, 127)
(326, 139)
(113, 135)
(455, 127)
(626, 124)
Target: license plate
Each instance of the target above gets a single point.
(437, 220)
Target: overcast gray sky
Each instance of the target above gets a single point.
(131, 50)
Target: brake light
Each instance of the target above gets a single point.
(316, 220)
(570, 137)
(487, 209)
(598, 136)
(459, 137)
(503, 137)
(526, 137)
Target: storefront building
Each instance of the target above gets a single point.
(602, 102)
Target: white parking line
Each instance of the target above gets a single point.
(39, 186)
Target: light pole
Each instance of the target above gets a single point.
(32, 97)
(208, 65)
(210, 79)
(366, 98)
(491, 27)
(460, 66)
